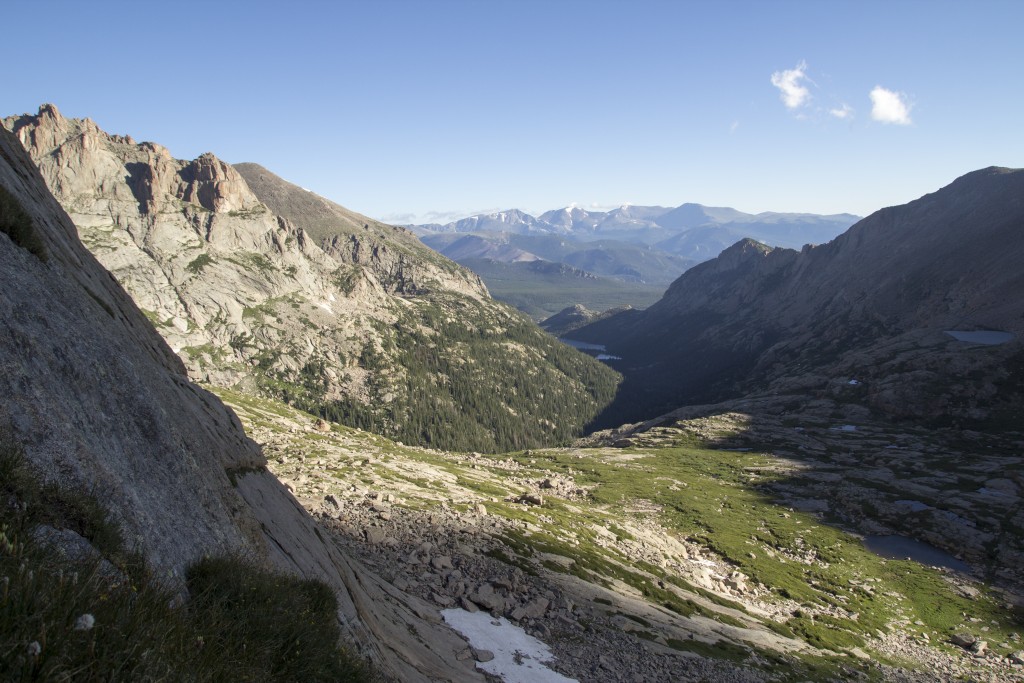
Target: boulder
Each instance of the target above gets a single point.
(488, 598)
(374, 535)
(964, 640)
(441, 562)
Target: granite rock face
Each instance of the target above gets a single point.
(100, 403)
(209, 262)
(258, 284)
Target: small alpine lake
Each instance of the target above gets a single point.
(986, 337)
(903, 547)
(597, 350)
(582, 346)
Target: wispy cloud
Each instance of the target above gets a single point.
(843, 111)
(734, 126)
(793, 92)
(889, 106)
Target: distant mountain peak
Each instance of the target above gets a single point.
(755, 314)
(692, 231)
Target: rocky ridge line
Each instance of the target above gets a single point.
(99, 403)
(247, 297)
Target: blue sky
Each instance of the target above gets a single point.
(410, 111)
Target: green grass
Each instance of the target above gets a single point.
(253, 262)
(270, 626)
(239, 622)
(259, 311)
(719, 650)
(47, 504)
(201, 353)
(837, 593)
(814, 564)
(252, 212)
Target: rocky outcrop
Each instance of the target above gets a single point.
(393, 254)
(273, 289)
(87, 388)
(188, 240)
(100, 403)
(879, 295)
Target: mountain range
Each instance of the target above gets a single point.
(260, 285)
(648, 246)
(874, 305)
(872, 390)
(691, 231)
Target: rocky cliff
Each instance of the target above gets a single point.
(873, 304)
(100, 403)
(275, 290)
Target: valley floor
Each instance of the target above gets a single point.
(679, 551)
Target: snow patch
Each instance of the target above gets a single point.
(518, 657)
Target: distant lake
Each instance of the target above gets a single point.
(902, 547)
(582, 346)
(989, 337)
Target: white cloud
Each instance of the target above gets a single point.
(843, 111)
(794, 94)
(888, 106)
(734, 126)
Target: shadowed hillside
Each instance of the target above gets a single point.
(873, 303)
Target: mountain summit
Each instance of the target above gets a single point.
(874, 304)
(690, 231)
(99, 407)
(260, 285)
(636, 250)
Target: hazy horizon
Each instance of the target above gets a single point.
(415, 112)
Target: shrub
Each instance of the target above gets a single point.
(197, 264)
(275, 627)
(67, 619)
(17, 224)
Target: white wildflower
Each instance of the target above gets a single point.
(85, 622)
(34, 649)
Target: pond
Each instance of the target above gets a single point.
(582, 346)
(988, 337)
(903, 547)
